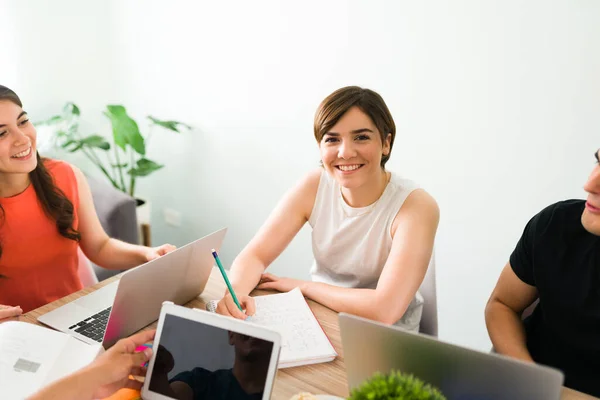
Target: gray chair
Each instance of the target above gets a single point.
(429, 317)
(117, 214)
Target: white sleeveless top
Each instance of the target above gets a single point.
(351, 245)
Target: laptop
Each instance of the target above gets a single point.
(210, 356)
(459, 373)
(134, 301)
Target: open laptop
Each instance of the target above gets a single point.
(212, 356)
(132, 302)
(459, 373)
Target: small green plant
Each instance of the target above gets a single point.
(127, 161)
(395, 386)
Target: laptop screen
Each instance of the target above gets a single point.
(200, 361)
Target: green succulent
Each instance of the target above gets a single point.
(395, 386)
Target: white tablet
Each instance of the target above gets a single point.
(201, 355)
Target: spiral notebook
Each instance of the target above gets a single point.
(303, 341)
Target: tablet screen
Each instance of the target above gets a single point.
(200, 361)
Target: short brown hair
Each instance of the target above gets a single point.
(371, 103)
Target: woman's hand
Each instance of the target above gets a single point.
(226, 306)
(270, 281)
(155, 252)
(106, 374)
(110, 371)
(9, 312)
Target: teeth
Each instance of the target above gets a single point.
(23, 153)
(348, 167)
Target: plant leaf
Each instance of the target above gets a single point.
(125, 129)
(171, 125)
(144, 167)
(51, 121)
(72, 145)
(68, 143)
(96, 141)
(71, 109)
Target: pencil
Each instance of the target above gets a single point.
(216, 256)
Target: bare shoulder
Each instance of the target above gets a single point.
(78, 175)
(420, 207)
(303, 194)
(421, 202)
(310, 182)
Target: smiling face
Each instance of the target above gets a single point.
(352, 150)
(17, 140)
(591, 215)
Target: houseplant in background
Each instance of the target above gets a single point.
(124, 160)
(395, 386)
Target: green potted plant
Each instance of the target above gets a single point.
(395, 386)
(123, 161)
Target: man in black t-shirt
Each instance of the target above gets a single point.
(557, 260)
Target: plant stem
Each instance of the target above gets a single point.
(98, 163)
(91, 154)
(120, 169)
(132, 176)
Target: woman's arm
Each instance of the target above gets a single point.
(413, 235)
(95, 243)
(277, 232)
(105, 375)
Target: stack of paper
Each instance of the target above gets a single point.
(302, 338)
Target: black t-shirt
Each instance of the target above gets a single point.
(562, 260)
(215, 385)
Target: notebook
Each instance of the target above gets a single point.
(32, 356)
(303, 341)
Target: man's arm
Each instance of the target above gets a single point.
(503, 314)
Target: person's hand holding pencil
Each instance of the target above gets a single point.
(231, 304)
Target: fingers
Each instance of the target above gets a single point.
(138, 371)
(233, 309)
(140, 358)
(266, 285)
(165, 248)
(128, 345)
(267, 277)
(249, 304)
(9, 312)
(143, 337)
(133, 384)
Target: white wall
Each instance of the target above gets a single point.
(496, 105)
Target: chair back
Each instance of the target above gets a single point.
(428, 289)
(86, 272)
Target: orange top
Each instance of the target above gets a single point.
(37, 265)
(125, 394)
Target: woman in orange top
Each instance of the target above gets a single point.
(46, 211)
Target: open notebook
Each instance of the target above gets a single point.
(302, 338)
(32, 356)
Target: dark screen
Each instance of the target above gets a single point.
(199, 361)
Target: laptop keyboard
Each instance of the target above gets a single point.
(94, 326)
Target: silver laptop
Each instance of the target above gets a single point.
(459, 373)
(134, 301)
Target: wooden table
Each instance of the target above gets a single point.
(327, 378)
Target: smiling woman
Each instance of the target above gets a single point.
(46, 213)
(373, 231)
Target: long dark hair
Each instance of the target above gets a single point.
(54, 202)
